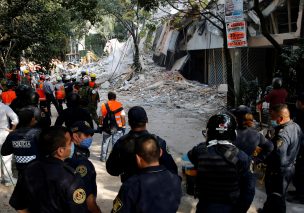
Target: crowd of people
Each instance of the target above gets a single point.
(55, 173)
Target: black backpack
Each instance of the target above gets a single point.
(109, 124)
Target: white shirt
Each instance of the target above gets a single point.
(5, 113)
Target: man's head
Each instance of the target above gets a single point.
(111, 96)
(147, 151)
(221, 126)
(137, 117)
(279, 114)
(26, 118)
(55, 141)
(82, 134)
(243, 116)
(73, 100)
(300, 101)
(277, 83)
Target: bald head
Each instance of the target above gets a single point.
(280, 113)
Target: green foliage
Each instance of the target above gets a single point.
(96, 43)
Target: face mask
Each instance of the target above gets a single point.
(274, 123)
(86, 143)
(72, 150)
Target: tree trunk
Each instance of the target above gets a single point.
(136, 61)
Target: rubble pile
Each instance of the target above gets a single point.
(156, 87)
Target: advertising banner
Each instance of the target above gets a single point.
(234, 10)
(236, 34)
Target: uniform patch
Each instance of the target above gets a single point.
(279, 143)
(117, 204)
(79, 196)
(82, 170)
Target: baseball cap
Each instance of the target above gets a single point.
(82, 126)
(137, 114)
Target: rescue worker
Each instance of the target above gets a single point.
(6, 127)
(22, 142)
(89, 99)
(68, 85)
(122, 158)
(221, 167)
(48, 89)
(111, 105)
(26, 78)
(154, 188)
(254, 144)
(82, 140)
(73, 113)
(92, 83)
(9, 95)
(40, 82)
(298, 195)
(60, 92)
(280, 163)
(44, 180)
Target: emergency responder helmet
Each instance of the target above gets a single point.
(83, 72)
(221, 126)
(22, 90)
(85, 81)
(67, 78)
(59, 78)
(26, 71)
(73, 99)
(93, 75)
(277, 83)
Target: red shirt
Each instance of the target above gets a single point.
(276, 96)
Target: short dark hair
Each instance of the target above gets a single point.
(278, 108)
(25, 117)
(147, 147)
(51, 139)
(111, 96)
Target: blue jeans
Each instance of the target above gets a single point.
(106, 138)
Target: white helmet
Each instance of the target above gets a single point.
(67, 77)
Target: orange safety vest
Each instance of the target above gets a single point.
(40, 84)
(8, 97)
(41, 94)
(60, 94)
(92, 84)
(113, 105)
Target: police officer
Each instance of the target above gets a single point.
(49, 184)
(73, 113)
(154, 188)
(280, 163)
(82, 140)
(221, 166)
(254, 144)
(122, 158)
(22, 142)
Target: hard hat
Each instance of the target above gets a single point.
(85, 81)
(93, 75)
(221, 126)
(59, 78)
(26, 71)
(67, 78)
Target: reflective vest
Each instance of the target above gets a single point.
(8, 97)
(60, 93)
(40, 84)
(113, 105)
(92, 84)
(41, 94)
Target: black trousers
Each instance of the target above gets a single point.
(50, 98)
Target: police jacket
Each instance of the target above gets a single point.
(221, 168)
(49, 186)
(86, 170)
(23, 144)
(71, 115)
(248, 139)
(122, 160)
(154, 189)
(286, 142)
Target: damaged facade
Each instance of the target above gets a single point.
(196, 50)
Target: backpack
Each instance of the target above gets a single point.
(85, 96)
(109, 124)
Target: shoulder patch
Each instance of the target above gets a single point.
(279, 143)
(82, 170)
(117, 204)
(79, 196)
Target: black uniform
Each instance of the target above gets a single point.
(280, 165)
(23, 144)
(49, 186)
(86, 169)
(68, 87)
(71, 115)
(222, 177)
(154, 189)
(122, 160)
